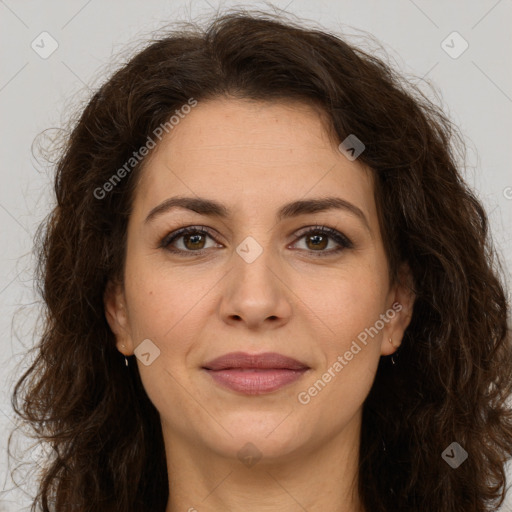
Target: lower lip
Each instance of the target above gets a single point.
(255, 381)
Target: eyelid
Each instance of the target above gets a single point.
(327, 230)
(340, 238)
(178, 233)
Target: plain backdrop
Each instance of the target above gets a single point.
(469, 71)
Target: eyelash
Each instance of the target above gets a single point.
(339, 238)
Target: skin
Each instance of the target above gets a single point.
(254, 157)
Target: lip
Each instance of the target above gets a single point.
(267, 360)
(255, 374)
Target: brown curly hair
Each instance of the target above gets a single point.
(452, 377)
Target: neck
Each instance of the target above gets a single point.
(318, 478)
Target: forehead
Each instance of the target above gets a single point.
(252, 153)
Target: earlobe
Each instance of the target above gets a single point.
(405, 295)
(116, 315)
(402, 303)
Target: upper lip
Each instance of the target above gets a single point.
(269, 360)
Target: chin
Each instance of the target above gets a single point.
(265, 433)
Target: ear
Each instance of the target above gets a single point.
(117, 317)
(400, 307)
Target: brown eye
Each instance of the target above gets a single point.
(315, 242)
(187, 240)
(194, 241)
(318, 238)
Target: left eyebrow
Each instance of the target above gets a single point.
(213, 208)
(321, 205)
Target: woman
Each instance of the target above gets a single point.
(267, 288)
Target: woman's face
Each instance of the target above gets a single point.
(261, 279)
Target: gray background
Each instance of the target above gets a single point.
(475, 90)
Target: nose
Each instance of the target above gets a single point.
(255, 294)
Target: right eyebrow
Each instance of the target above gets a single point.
(198, 205)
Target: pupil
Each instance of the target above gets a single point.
(194, 238)
(315, 240)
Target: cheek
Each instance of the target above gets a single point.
(163, 307)
(350, 356)
(353, 300)
(351, 349)
(168, 307)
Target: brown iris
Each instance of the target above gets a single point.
(195, 239)
(315, 239)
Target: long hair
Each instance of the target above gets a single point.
(452, 378)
